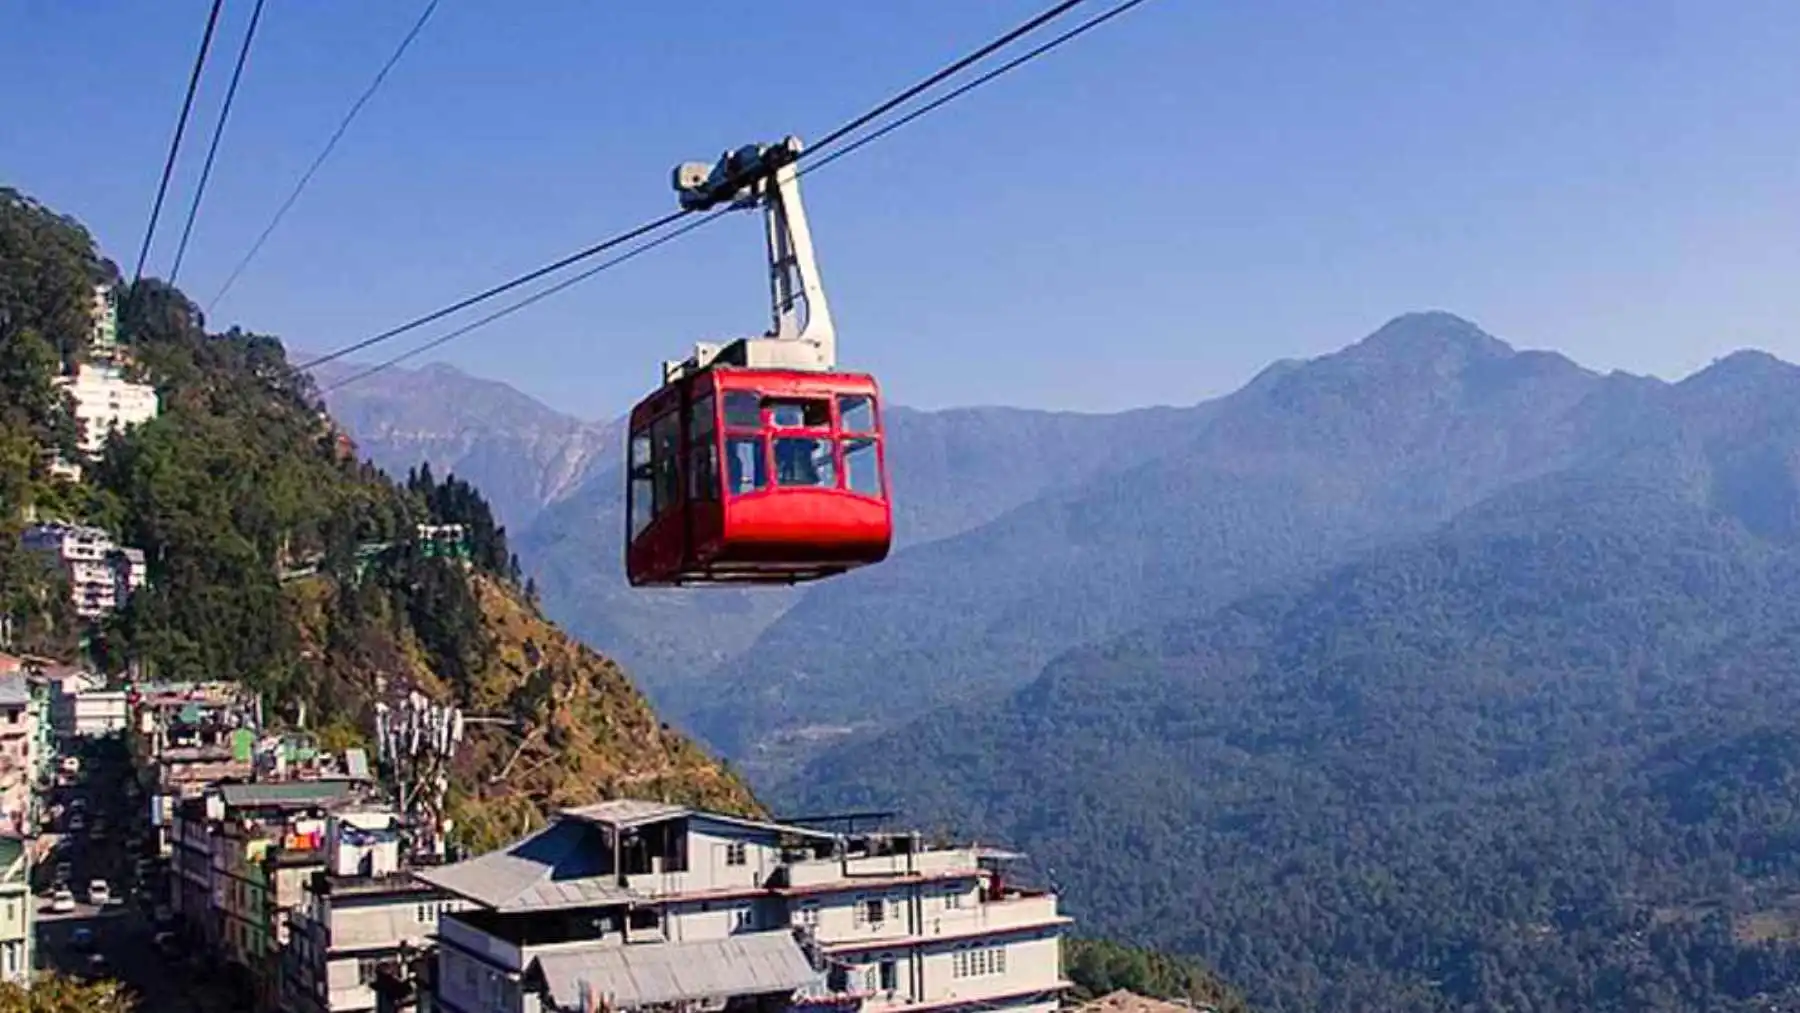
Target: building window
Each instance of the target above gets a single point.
(980, 963)
(890, 976)
(367, 970)
(952, 901)
(809, 915)
(736, 853)
(871, 912)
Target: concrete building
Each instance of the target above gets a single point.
(43, 733)
(106, 403)
(82, 707)
(182, 774)
(16, 922)
(639, 904)
(253, 848)
(185, 737)
(364, 922)
(188, 713)
(102, 575)
(104, 340)
(18, 757)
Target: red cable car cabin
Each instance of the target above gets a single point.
(802, 493)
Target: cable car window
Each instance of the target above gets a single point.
(703, 471)
(856, 413)
(804, 461)
(862, 467)
(749, 472)
(638, 490)
(800, 414)
(743, 409)
(700, 420)
(665, 450)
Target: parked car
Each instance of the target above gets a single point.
(99, 894)
(62, 901)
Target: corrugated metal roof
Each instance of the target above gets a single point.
(627, 812)
(297, 793)
(560, 866)
(644, 974)
(622, 813)
(14, 691)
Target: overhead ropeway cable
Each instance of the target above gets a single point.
(330, 145)
(187, 107)
(535, 297)
(833, 136)
(212, 149)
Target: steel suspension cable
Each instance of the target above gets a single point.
(212, 149)
(187, 106)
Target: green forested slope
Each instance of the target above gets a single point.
(1301, 468)
(1544, 759)
(279, 559)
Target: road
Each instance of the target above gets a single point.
(107, 848)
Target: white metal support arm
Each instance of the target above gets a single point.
(801, 335)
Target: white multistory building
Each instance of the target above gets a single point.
(102, 574)
(18, 756)
(17, 924)
(629, 905)
(106, 403)
(362, 922)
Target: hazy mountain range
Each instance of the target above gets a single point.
(1426, 675)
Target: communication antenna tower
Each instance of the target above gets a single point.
(415, 743)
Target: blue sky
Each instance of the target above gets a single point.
(1148, 215)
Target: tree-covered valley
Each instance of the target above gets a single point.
(1427, 675)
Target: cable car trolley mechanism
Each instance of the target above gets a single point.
(758, 462)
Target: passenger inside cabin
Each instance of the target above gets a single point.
(744, 465)
(803, 462)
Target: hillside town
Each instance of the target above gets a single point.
(173, 836)
(164, 834)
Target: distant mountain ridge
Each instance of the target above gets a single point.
(524, 453)
(1009, 519)
(1303, 466)
(1428, 675)
(1539, 756)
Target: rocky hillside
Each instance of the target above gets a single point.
(279, 558)
(523, 455)
(584, 730)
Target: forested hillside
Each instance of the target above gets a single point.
(1306, 465)
(1541, 758)
(278, 558)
